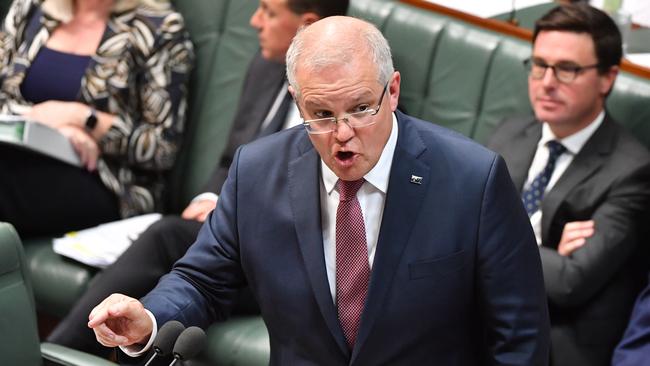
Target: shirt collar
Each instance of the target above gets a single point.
(377, 176)
(576, 141)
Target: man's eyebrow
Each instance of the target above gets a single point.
(542, 59)
(363, 95)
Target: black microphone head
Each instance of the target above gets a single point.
(190, 343)
(167, 336)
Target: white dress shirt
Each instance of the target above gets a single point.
(371, 196)
(573, 145)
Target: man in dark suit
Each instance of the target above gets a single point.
(264, 108)
(368, 237)
(585, 183)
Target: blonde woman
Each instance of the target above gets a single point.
(111, 76)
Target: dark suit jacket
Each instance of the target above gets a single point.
(591, 292)
(262, 84)
(634, 348)
(456, 278)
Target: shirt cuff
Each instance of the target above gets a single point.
(136, 350)
(206, 196)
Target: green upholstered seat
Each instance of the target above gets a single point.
(19, 343)
(241, 341)
(224, 44)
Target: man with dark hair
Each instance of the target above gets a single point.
(264, 108)
(585, 183)
(322, 8)
(581, 18)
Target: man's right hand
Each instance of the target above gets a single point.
(574, 236)
(120, 320)
(198, 210)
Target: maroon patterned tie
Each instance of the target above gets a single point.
(352, 267)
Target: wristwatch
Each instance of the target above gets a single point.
(91, 120)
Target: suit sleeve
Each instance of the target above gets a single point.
(635, 345)
(204, 284)
(511, 288)
(573, 280)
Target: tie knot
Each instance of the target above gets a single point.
(555, 149)
(348, 188)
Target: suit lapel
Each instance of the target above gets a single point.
(304, 190)
(403, 201)
(271, 85)
(520, 153)
(263, 84)
(590, 158)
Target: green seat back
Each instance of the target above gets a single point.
(469, 78)
(629, 103)
(240, 341)
(224, 44)
(19, 343)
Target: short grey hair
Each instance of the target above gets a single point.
(314, 59)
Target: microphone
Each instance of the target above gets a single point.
(167, 335)
(189, 344)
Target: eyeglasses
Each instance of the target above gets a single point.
(564, 72)
(355, 119)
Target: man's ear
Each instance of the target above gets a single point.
(394, 89)
(292, 91)
(607, 80)
(309, 18)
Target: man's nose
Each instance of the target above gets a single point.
(256, 19)
(343, 131)
(549, 79)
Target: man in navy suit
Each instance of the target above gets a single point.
(368, 237)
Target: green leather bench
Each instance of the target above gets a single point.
(19, 343)
(454, 73)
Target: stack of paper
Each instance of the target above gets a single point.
(102, 245)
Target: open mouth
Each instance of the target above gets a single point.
(344, 155)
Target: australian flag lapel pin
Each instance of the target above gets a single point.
(416, 179)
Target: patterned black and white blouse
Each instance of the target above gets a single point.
(139, 74)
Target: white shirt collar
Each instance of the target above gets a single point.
(377, 176)
(576, 141)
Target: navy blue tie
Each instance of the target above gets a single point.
(533, 195)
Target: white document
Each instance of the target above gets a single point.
(101, 245)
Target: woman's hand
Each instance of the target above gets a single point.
(84, 145)
(55, 113)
